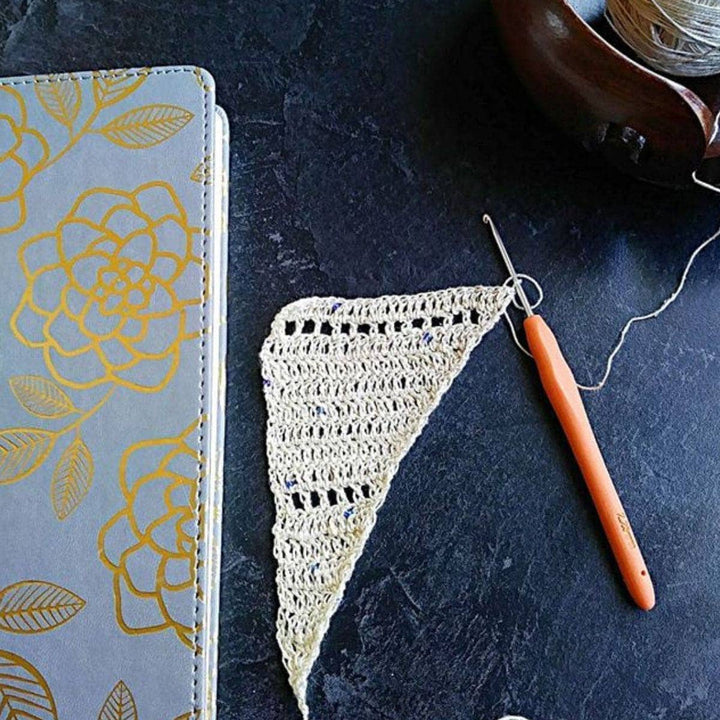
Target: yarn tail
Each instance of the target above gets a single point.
(300, 690)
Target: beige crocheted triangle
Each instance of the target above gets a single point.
(349, 385)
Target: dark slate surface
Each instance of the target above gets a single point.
(367, 139)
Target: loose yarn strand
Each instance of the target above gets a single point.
(651, 315)
(510, 282)
(635, 319)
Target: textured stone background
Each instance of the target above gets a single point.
(368, 137)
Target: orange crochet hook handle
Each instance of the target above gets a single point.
(561, 389)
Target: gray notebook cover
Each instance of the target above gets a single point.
(113, 243)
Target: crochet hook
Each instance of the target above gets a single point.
(562, 391)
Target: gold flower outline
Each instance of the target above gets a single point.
(23, 151)
(104, 289)
(160, 523)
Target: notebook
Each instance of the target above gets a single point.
(112, 348)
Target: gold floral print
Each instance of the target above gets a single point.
(24, 692)
(72, 478)
(26, 695)
(24, 449)
(61, 100)
(104, 290)
(150, 545)
(23, 150)
(119, 705)
(145, 126)
(40, 397)
(108, 300)
(35, 606)
(202, 173)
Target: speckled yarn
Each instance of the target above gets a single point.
(349, 385)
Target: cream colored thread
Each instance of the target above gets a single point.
(679, 37)
(636, 318)
(649, 316)
(509, 283)
(347, 393)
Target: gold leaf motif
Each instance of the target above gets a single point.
(112, 87)
(120, 704)
(202, 172)
(24, 692)
(146, 126)
(23, 450)
(41, 397)
(33, 606)
(61, 98)
(71, 478)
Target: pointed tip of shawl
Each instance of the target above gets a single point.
(304, 710)
(299, 687)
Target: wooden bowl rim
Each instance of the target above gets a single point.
(705, 115)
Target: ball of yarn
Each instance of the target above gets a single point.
(677, 37)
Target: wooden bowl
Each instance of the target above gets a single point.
(655, 128)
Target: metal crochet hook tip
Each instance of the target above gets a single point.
(508, 263)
